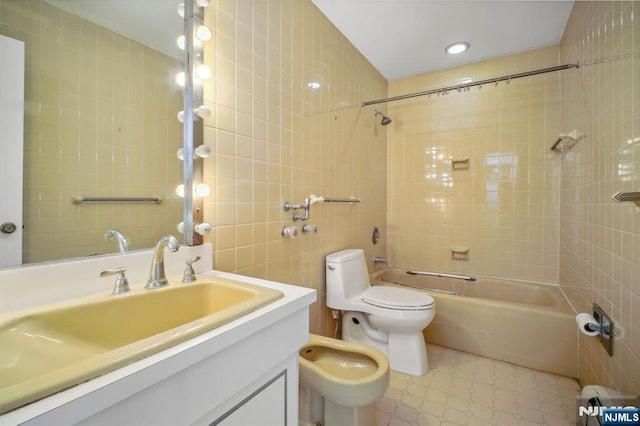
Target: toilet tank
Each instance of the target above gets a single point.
(346, 277)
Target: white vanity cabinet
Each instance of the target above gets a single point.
(242, 373)
(266, 405)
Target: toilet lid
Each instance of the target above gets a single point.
(397, 298)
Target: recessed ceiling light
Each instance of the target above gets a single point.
(456, 48)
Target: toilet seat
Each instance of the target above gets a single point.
(397, 298)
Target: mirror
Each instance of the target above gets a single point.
(100, 121)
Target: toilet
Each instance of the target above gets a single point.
(340, 381)
(390, 319)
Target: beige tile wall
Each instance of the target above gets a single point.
(600, 239)
(505, 207)
(100, 120)
(277, 140)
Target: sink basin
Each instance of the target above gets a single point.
(52, 349)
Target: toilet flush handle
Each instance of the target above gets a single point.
(331, 267)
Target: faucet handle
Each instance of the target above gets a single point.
(189, 273)
(121, 285)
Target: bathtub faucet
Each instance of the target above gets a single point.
(378, 259)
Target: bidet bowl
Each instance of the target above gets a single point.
(47, 350)
(348, 373)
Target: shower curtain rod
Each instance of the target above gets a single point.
(466, 86)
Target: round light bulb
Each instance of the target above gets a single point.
(203, 111)
(180, 227)
(181, 42)
(181, 10)
(203, 33)
(203, 229)
(202, 190)
(203, 72)
(180, 154)
(181, 79)
(180, 190)
(203, 151)
(181, 117)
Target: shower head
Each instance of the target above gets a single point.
(385, 119)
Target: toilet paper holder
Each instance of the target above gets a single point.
(605, 327)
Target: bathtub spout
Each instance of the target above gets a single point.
(379, 259)
(442, 275)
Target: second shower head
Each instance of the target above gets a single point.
(385, 119)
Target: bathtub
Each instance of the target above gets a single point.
(526, 324)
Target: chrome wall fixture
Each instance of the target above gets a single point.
(385, 119)
(313, 199)
(572, 137)
(193, 115)
(633, 197)
(289, 232)
(442, 275)
(292, 231)
(375, 235)
(309, 229)
(466, 86)
(305, 207)
(606, 328)
(79, 199)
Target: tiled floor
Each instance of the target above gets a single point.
(465, 389)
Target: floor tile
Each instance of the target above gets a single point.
(465, 389)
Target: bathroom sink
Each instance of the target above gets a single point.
(52, 349)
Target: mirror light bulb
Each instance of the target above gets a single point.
(202, 190)
(181, 117)
(181, 10)
(203, 33)
(203, 151)
(180, 155)
(203, 3)
(203, 111)
(203, 228)
(203, 72)
(181, 79)
(180, 190)
(181, 42)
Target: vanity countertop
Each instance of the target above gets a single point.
(153, 368)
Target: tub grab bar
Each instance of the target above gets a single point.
(453, 293)
(442, 275)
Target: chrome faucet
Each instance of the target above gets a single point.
(157, 277)
(114, 234)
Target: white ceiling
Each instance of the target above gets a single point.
(403, 38)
